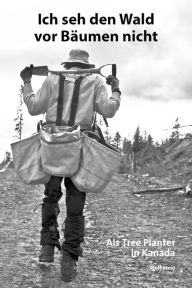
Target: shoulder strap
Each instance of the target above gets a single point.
(75, 99)
(100, 135)
(94, 122)
(60, 101)
(93, 127)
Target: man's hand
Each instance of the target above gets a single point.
(113, 81)
(26, 74)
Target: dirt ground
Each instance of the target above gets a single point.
(159, 226)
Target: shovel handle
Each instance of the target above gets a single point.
(44, 71)
(114, 70)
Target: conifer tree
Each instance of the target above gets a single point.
(126, 146)
(137, 141)
(150, 139)
(107, 136)
(117, 139)
(19, 118)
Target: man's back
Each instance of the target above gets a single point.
(92, 97)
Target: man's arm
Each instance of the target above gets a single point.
(104, 105)
(36, 103)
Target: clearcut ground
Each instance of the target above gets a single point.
(110, 217)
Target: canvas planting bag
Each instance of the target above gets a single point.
(61, 145)
(27, 160)
(60, 150)
(97, 166)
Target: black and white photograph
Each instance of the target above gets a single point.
(96, 144)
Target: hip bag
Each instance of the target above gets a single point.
(27, 160)
(61, 144)
(98, 163)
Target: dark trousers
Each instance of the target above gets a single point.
(73, 227)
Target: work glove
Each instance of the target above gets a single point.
(26, 73)
(114, 82)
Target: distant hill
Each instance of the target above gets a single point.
(169, 160)
(181, 152)
(179, 159)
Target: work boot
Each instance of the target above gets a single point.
(68, 267)
(47, 253)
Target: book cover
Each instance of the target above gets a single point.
(138, 231)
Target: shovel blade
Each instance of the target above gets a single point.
(40, 70)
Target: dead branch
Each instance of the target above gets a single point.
(159, 190)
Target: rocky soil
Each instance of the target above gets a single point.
(159, 226)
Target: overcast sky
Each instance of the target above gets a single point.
(155, 78)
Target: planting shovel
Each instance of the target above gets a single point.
(44, 71)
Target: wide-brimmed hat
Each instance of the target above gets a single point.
(79, 56)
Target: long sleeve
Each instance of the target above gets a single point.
(37, 103)
(104, 105)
